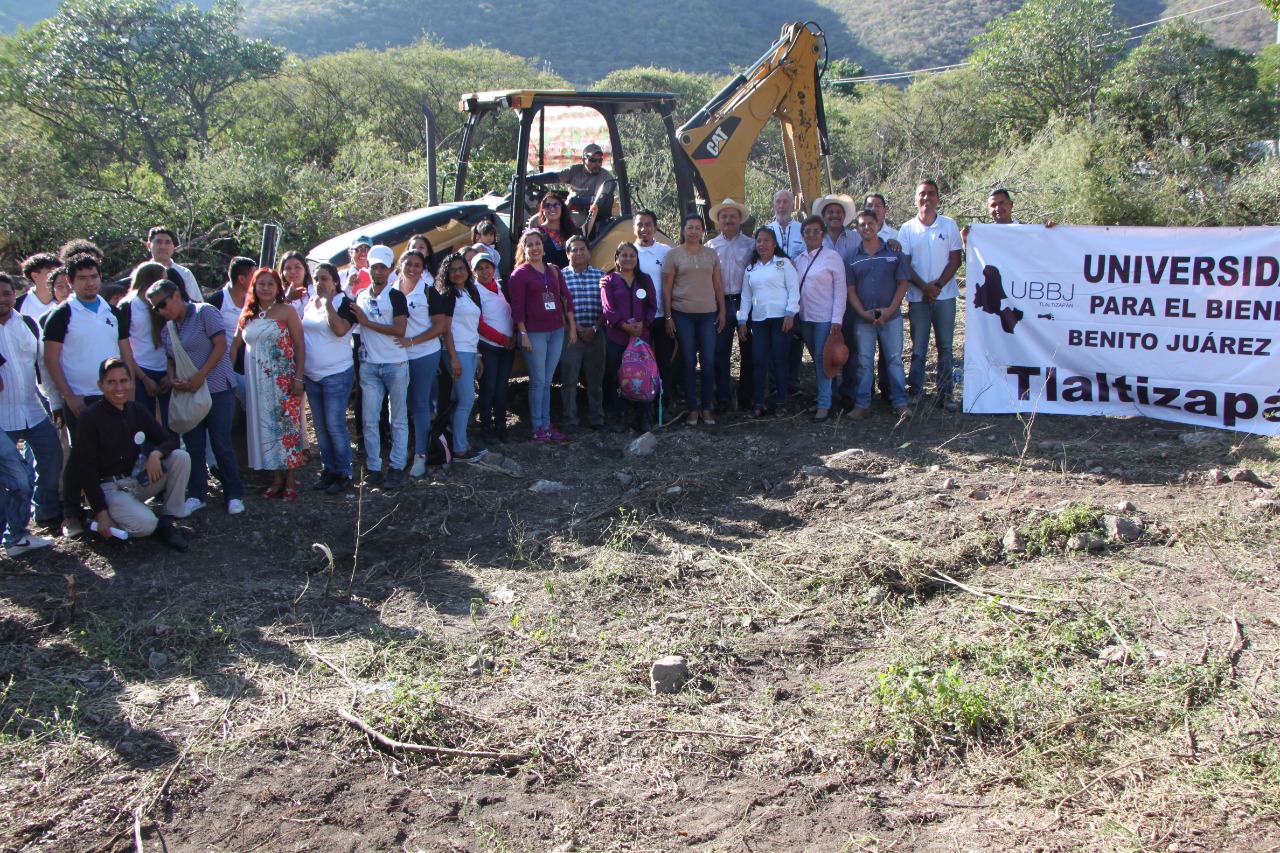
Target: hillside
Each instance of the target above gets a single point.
(880, 37)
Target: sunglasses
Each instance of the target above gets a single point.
(811, 231)
(551, 204)
(595, 159)
(159, 306)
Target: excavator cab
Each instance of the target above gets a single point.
(540, 125)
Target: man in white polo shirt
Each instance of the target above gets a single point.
(932, 243)
(651, 253)
(161, 243)
(79, 335)
(383, 314)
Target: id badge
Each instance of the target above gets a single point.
(548, 301)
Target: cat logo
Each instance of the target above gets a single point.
(711, 147)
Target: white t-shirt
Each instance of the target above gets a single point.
(496, 310)
(651, 265)
(327, 353)
(930, 248)
(147, 353)
(189, 282)
(89, 336)
(887, 233)
(378, 347)
(419, 301)
(230, 312)
(466, 323)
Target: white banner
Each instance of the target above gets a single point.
(1181, 324)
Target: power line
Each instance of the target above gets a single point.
(898, 75)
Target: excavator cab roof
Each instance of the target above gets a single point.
(617, 103)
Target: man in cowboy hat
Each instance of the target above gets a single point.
(734, 249)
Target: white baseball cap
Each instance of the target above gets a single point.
(382, 255)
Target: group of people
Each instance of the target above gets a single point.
(425, 342)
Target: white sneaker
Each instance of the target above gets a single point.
(419, 465)
(235, 506)
(27, 543)
(191, 506)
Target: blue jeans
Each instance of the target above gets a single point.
(771, 352)
(542, 363)
(15, 482)
(422, 382)
(940, 316)
(43, 443)
(328, 398)
(815, 338)
(464, 394)
(492, 401)
(889, 336)
(217, 424)
(378, 383)
(696, 337)
(724, 356)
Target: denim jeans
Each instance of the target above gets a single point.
(15, 482)
(217, 425)
(815, 338)
(771, 352)
(328, 398)
(422, 382)
(492, 400)
(586, 360)
(696, 336)
(940, 316)
(542, 363)
(43, 443)
(464, 394)
(381, 383)
(889, 336)
(724, 357)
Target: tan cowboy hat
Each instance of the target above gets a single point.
(834, 354)
(846, 201)
(727, 203)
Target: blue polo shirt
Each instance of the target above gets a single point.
(875, 277)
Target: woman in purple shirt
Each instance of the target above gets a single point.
(542, 309)
(629, 303)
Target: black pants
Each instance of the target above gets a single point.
(71, 486)
(664, 350)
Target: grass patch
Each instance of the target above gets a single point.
(1051, 534)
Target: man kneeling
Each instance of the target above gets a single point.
(108, 439)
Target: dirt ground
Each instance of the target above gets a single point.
(871, 667)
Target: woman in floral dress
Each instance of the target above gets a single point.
(274, 364)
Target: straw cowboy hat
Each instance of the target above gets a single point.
(834, 354)
(846, 201)
(729, 203)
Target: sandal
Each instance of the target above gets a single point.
(272, 492)
(289, 494)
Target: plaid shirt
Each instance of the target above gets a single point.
(585, 288)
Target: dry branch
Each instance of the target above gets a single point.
(688, 732)
(389, 743)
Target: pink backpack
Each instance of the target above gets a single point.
(638, 374)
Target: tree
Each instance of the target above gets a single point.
(133, 81)
(1048, 59)
(1177, 87)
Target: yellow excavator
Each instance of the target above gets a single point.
(709, 153)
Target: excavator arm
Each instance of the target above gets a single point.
(782, 83)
